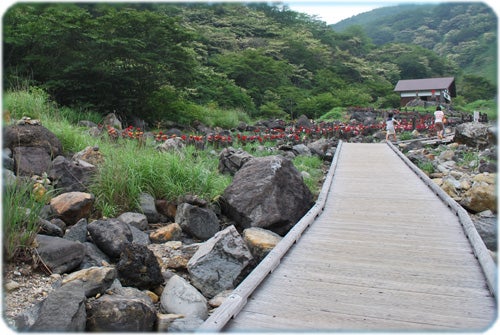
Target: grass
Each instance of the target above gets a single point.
(21, 207)
(128, 169)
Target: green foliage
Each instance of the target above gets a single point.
(20, 217)
(489, 107)
(32, 102)
(463, 33)
(311, 165)
(129, 170)
(426, 167)
(335, 114)
(170, 61)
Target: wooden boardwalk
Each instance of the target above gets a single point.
(385, 254)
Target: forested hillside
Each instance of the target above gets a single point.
(165, 61)
(463, 33)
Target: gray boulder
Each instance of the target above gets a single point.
(71, 176)
(267, 192)
(231, 160)
(62, 311)
(93, 256)
(180, 297)
(138, 220)
(58, 254)
(31, 161)
(110, 236)
(218, 262)
(476, 135)
(201, 223)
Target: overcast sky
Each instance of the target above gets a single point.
(333, 11)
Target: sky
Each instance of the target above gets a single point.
(334, 11)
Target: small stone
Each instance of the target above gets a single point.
(12, 286)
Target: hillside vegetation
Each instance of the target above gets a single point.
(179, 62)
(463, 33)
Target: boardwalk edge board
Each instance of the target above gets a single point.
(481, 252)
(237, 300)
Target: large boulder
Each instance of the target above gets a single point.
(33, 147)
(202, 223)
(267, 192)
(476, 135)
(58, 254)
(218, 263)
(71, 176)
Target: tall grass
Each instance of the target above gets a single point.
(129, 171)
(20, 217)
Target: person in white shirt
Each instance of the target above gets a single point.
(438, 122)
(390, 127)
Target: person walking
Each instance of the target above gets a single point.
(438, 122)
(390, 127)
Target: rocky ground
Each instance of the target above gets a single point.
(24, 286)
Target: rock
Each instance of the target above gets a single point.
(486, 225)
(185, 325)
(48, 228)
(180, 297)
(71, 176)
(171, 144)
(480, 197)
(138, 220)
(91, 155)
(320, 147)
(231, 160)
(32, 136)
(303, 122)
(174, 254)
(218, 262)
(267, 192)
(125, 310)
(31, 161)
(148, 208)
(112, 120)
(93, 256)
(166, 233)
(475, 135)
(138, 267)
(260, 241)
(62, 311)
(219, 298)
(72, 206)
(111, 236)
(59, 255)
(94, 280)
(77, 232)
(164, 321)
(139, 236)
(199, 222)
(302, 149)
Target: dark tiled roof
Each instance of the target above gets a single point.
(426, 84)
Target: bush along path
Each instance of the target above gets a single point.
(165, 266)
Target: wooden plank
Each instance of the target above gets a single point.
(385, 254)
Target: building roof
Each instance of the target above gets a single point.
(427, 84)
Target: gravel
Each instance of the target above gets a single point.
(23, 287)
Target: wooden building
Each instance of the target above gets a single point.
(440, 90)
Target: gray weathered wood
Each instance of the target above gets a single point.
(385, 253)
